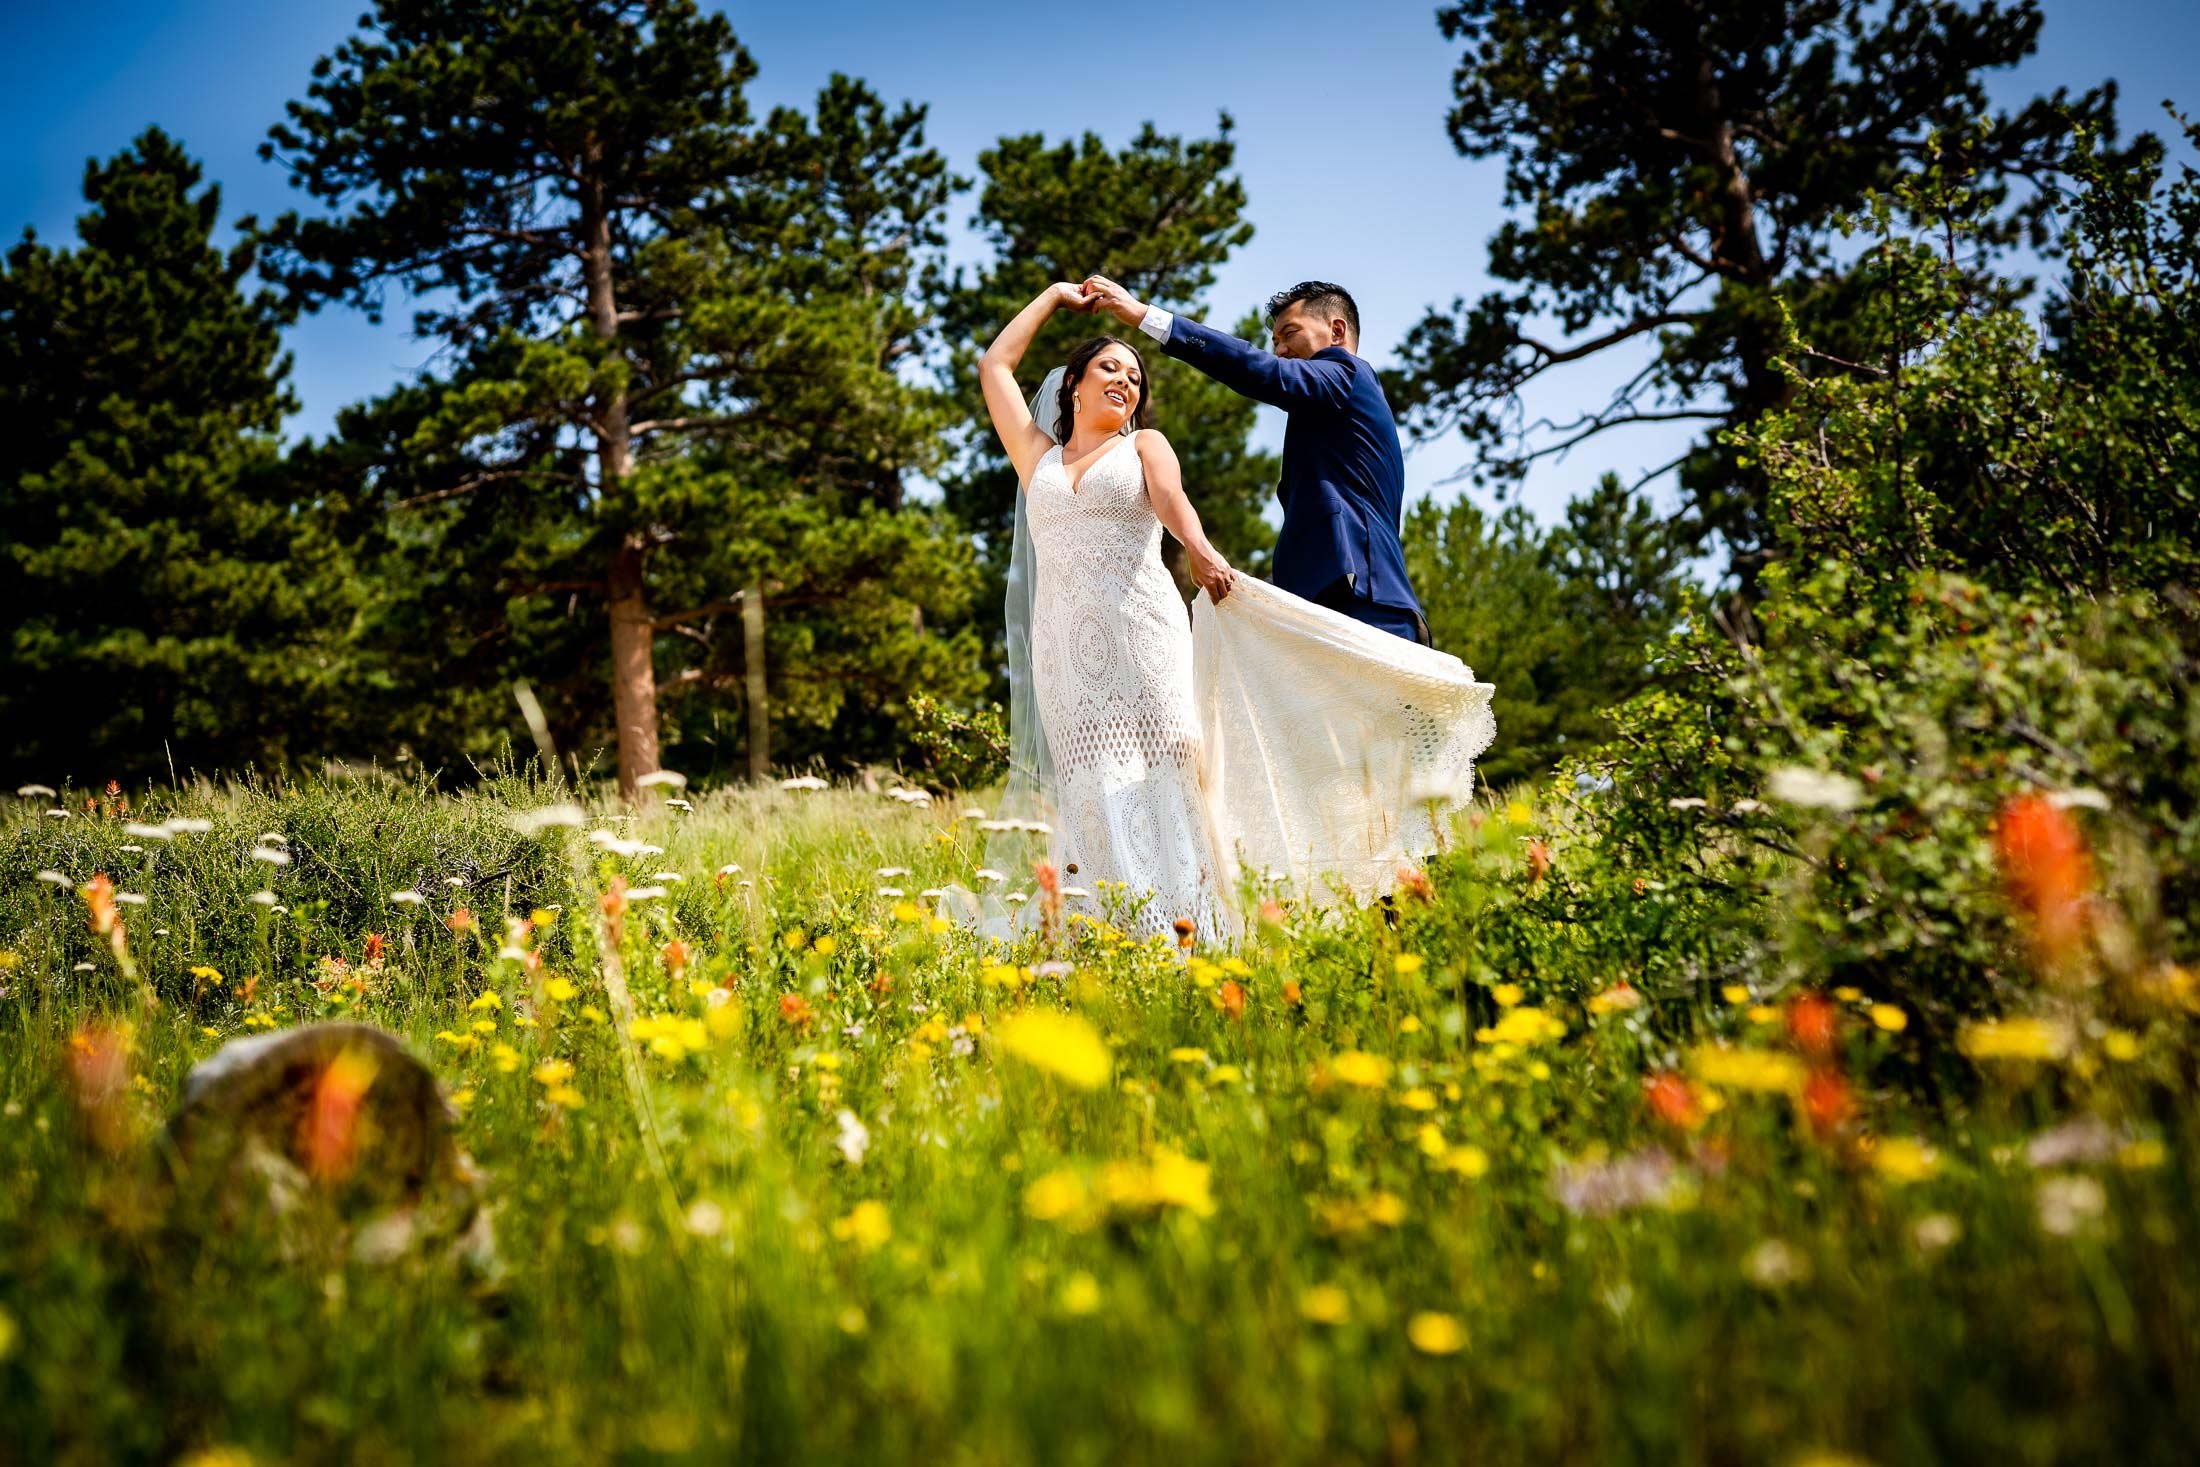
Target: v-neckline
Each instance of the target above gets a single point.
(1061, 456)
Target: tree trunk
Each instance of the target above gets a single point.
(633, 634)
(752, 663)
(633, 670)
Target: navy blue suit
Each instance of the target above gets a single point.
(1344, 480)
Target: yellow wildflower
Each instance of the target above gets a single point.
(1901, 1159)
(1890, 1017)
(1508, 995)
(1746, 1069)
(1408, 964)
(1081, 1294)
(1356, 1067)
(1436, 1334)
(559, 990)
(1418, 1098)
(488, 1000)
(1063, 1045)
(866, 1225)
(2014, 1039)
(2120, 1044)
(1734, 993)
(1325, 1304)
(1188, 1056)
(1055, 1196)
(553, 1072)
(1467, 1161)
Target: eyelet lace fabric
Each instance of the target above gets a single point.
(1112, 667)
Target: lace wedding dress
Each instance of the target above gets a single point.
(1112, 662)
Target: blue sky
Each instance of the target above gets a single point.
(1339, 107)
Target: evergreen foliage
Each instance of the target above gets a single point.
(164, 605)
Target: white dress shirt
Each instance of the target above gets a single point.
(1156, 323)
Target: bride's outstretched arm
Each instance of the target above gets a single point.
(1004, 400)
(1171, 506)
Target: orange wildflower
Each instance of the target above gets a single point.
(1672, 1100)
(676, 957)
(100, 897)
(1812, 1022)
(2048, 871)
(1232, 998)
(328, 1132)
(99, 1079)
(1539, 861)
(1827, 1102)
(796, 1010)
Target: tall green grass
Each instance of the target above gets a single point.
(1330, 1201)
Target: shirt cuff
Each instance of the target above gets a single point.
(1156, 323)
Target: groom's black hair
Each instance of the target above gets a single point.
(1327, 300)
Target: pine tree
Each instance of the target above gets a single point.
(623, 266)
(165, 606)
(1682, 170)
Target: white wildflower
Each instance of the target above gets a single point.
(666, 876)
(802, 782)
(887, 873)
(270, 855)
(57, 814)
(645, 893)
(2079, 800)
(656, 777)
(536, 821)
(143, 831)
(988, 875)
(39, 792)
(2068, 1204)
(189, 825)
(57, 879)
(855, 1137)
(408, 898)
(262, 898)
(891, 891)
(132, 898)
(139, 849)
(1814, 789)
(1687, 802)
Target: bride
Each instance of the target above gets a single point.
(1307, 749)
(1109, 647)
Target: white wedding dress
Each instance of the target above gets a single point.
(1266, 742)
(1112, 661)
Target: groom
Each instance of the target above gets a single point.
(1343, 489)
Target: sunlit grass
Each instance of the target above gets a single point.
(780, 1168)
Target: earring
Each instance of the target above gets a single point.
(1076, 403)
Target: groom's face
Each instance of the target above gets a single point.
(1299, 333)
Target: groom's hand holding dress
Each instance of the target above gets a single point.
(1343, 485)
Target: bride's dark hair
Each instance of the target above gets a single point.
(1065, 403)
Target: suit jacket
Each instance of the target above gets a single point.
(1343, 486)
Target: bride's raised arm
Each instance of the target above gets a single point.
(1004, 400)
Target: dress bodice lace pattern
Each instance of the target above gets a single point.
(1112, 667)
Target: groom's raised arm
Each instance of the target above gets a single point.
(1278, 381)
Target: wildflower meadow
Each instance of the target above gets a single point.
(764, 1161)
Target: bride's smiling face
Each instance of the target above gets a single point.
(1110, 389)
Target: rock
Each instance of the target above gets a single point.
(339, 1121)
